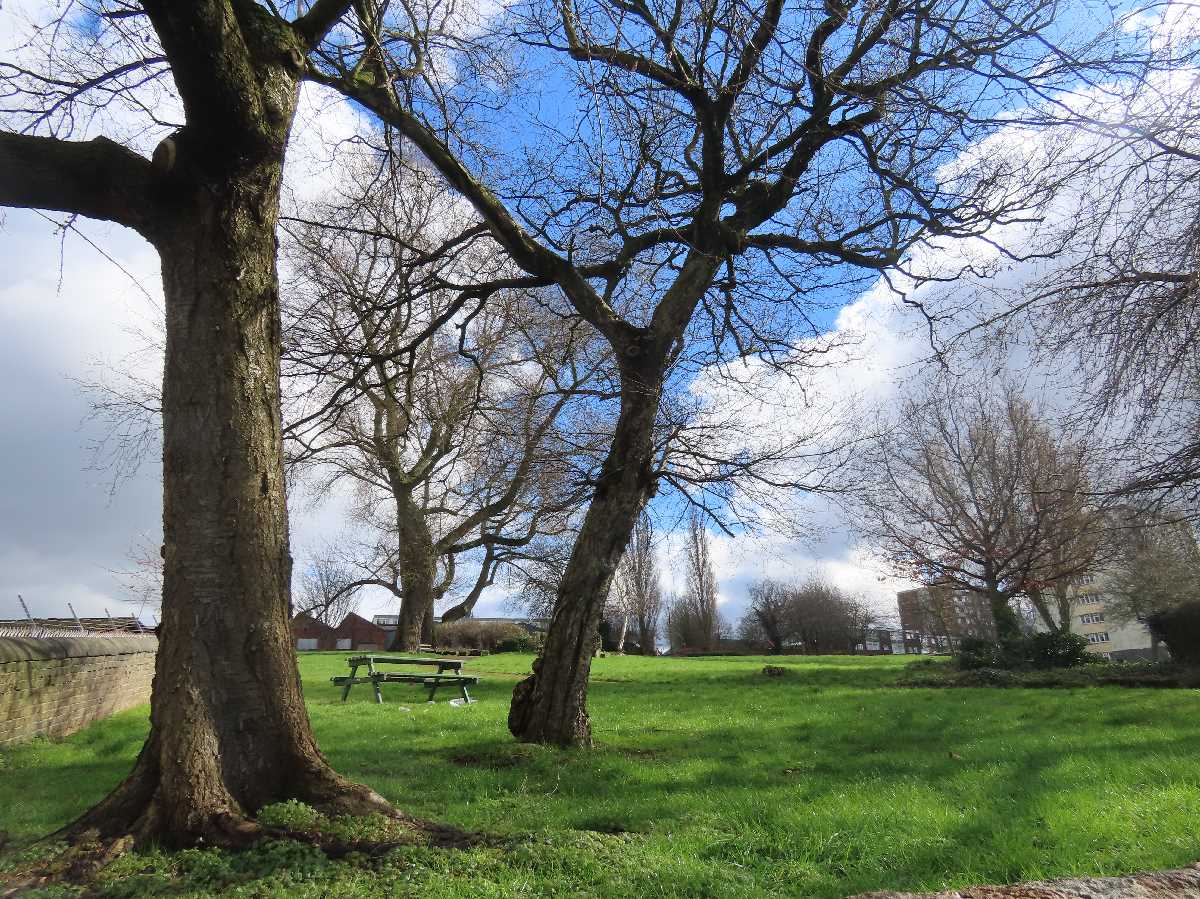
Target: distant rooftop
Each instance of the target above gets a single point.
(386, 621)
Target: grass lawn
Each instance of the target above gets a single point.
(709, 780)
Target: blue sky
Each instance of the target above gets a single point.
(64, 305)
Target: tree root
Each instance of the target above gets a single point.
(88, 852)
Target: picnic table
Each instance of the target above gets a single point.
(432, 681)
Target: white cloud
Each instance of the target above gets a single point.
(60, 531)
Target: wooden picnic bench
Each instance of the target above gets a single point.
(432, 681)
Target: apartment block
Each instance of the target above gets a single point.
(1106, 637)
(944, 614)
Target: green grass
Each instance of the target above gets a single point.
(709, 780)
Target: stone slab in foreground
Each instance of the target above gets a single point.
(1182, 883)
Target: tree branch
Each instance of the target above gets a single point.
(321, 17)
(98, 179)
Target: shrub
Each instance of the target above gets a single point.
(975, 653)
(1057, 650)
(1037, 651)
(489, 635)
(522, 642)
(1179, 628)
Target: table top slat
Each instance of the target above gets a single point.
(391, 660)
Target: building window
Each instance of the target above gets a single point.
(1085, 579)
(1092, 618)
(1101, 637)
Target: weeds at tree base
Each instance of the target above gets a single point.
(294, 838)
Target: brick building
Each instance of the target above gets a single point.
(355, 632)
(310, 633)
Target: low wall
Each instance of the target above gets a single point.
(57, 685)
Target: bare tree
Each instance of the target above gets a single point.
(693, 619)
(637, 591)
(324, 592)
(640, 585)
(229, 730)
(719, 168)
(142, 578)
(1116, 290)
(1155, 566)
(769, 617)
(972, 490)
(1074, 525)
(444, 411)
(815, 615)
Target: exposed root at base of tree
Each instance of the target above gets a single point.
(88, 853)
(529, 722)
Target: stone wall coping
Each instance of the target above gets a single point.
(26, 649)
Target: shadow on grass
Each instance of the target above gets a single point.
(817, 784)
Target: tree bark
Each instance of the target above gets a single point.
(647, 637)
(1005, 619)
(418, 573)
(1043, 609)
(229, 731)
(1063, 600)
(550, 706)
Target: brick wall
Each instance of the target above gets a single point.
(56, 686)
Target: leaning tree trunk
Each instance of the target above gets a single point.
(418, 574)
(1038, 598)
(550, 706)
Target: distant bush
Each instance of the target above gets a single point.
(1040, 651)
(494, 636)
(975, 653)
(1057, 650)
(522, 642)
(1101, 673)
(1179, 628)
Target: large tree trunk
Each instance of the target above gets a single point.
(418, 573)
(427, 627)
(1008, 627)
(229, 730)
(550, 706)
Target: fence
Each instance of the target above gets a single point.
(41, 630)
(36, 627)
